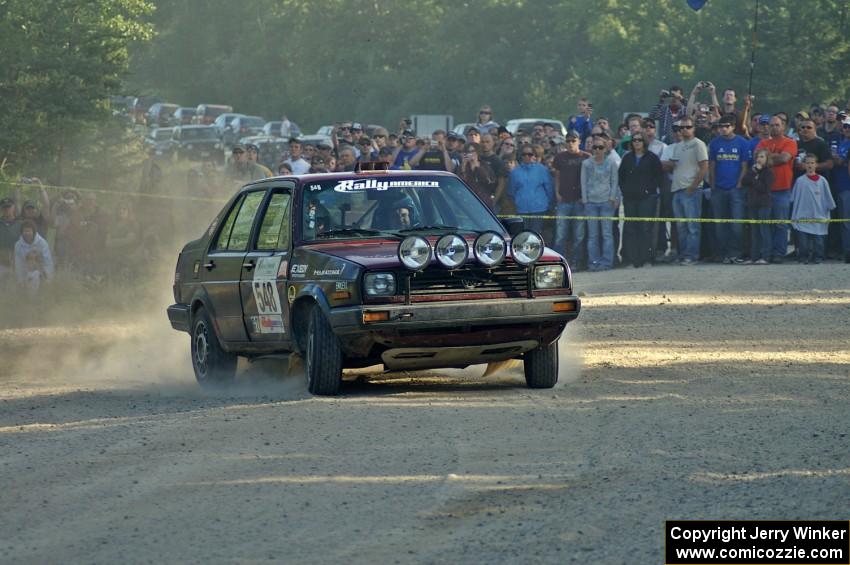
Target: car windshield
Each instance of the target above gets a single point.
(199, 133)
(252, 122)
(392, 205)
(161, 134)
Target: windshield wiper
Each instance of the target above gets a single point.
(430, 227)
(353, 231)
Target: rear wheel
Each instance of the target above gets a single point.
(213, 366)
(323, 357)
(541, 366)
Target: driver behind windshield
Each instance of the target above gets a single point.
(396, 212)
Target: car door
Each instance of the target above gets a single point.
(263, 285)
(223, 263)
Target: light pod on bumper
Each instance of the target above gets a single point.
(526, 247)
(451, 251)
(489, 248)
(414, 252)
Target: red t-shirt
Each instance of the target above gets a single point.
(783, 173)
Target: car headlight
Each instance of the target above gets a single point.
(451, 251)
(414, 252)
(526, 247)
(379, 284)
(549, 276)
(489, 248)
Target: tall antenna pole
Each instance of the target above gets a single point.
(753, 52)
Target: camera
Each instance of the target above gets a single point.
(665, 93)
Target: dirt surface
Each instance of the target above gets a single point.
(688, 392)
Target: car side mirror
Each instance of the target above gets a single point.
(513, 225)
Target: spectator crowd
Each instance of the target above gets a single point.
(691, 158)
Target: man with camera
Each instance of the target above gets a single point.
(436, 157)
(670, 108)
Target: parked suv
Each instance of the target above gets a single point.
(405, 268)
(197, 143)
(205, 114)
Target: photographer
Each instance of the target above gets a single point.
(478, 175)
(670, 108)
(436, 156)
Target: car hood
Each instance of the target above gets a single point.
(383, 253)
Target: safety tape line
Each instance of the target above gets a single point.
(674, 220)
(116, 192)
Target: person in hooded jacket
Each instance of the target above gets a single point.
(640, 176)
(33, 260)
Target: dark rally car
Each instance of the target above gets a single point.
(406, 269)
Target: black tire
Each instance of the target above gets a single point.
(541, 366)
(323, 356)
(213, 366)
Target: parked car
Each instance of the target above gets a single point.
(206, 114)
(159, 115)
(160, 140)
(408, 269)
(242, 126)
(315, 140)
(273, 129)
(514, 126)
(140, 107)
(325, 130)
(182, 116)
(197, 143)
(222, 122)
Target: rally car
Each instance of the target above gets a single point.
(407, 269)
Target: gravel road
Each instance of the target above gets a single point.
(700, 392)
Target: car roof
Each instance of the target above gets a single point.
(196, 126)
(314, 177)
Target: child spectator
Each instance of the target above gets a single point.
(758, 181)
(811, 199)
(33, 261)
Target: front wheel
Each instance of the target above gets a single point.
(323, 359)
(213, 366)
(541, 366)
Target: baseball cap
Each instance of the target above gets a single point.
(803, 114)
(6, 202)
(356, 126)
(725, 120)
(238, 148)
(252, 147)
(471, 129)
(764, 119)
(572, 134)
(503, 129)
(408, 133)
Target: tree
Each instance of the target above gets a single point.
(62, 60)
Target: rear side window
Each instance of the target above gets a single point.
(274, 231)
(236, 230)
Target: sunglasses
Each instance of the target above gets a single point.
(686, 127)
(528, 154)
(637, 139)
(649, 126)
(484, 113)
(806, 127)
(598, 147)
(379, 135)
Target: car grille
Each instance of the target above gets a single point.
(507, 277)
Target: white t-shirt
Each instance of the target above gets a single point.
(299, 166)
(687, 155)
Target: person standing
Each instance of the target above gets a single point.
(689, 161)
(783, 150)
(478, 175)
(670, 109)
(640, 177)
(485, 120)
(811, 199)
(841, 185)
(531, 189)
(298, 164)
(758, 181)
(567, 166)
(728, 161)
(600, 196)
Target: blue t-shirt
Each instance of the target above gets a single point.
(840, 176)
(403, 158)
(730, 155)
(754, 142)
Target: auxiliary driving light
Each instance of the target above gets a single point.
(451, 251)
(414, 252)
(489, 248)
(526, 247)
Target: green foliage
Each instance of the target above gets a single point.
(61, 60)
